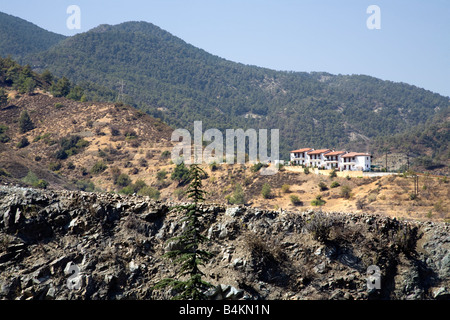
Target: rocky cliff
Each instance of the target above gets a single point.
(78, 245)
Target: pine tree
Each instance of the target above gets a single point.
(25, 123)
(187, 253)
(3, 96)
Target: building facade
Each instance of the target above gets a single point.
(331, 159)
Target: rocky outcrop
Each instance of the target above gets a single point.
(77, 245)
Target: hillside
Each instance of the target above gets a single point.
(55, 142)
(118, 242)
(179, 83)
(106, 147)
(19, 37)
(88, 133)
(427, 145)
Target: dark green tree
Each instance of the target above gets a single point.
(61, 88)
(47, 76)
(187, 253)
(238, 196)
(3, 96)
(25, 123)
(181, 174)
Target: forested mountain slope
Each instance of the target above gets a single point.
(170, 79)
(19, 37)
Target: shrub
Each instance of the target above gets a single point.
(42, 184)
(23, 143)
(150, 192)
(266, 191)
(85, 185)
(247, 181)
(130, 134)
(333, 173)
(123, 180)
(346, 192)
(34, 181)
(334, 184)
(70, 166)
(4, 173)
(165, 154)
(412, 196)
(318, 201)
(360, 204)
(267, 256)
(69, 146)
(306, 170)
(439, 206)
(61, 154)
(256, 167)
(295, 200)
(114, 131)
(372, 197)
(179, 193)
(443, 179)
(115, 173)
(139, 184)
(319, 225)
(59, 105)
(323, 186)
(285, 188)
(54, 166)
(405, 239)
(98, 167)
(143, 162)
(213, 166)
(3, 137)
(127, 190)
(134, 171)
(161, 175)
(30, 178)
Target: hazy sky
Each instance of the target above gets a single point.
(412, 46)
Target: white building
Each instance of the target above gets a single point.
(330, 159)
(333, 160)
(355, 161)
(300, 156)
(317, 158)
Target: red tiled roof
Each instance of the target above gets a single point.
(335, 153)
(319, 151)
(301, 150)
(355, 154)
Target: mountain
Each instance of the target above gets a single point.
(170, 79)
(19, 37)
(428, 143)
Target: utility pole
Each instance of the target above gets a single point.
(120, 95)
(416, 184)
(386, 166)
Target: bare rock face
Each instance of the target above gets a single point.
(78, 245)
